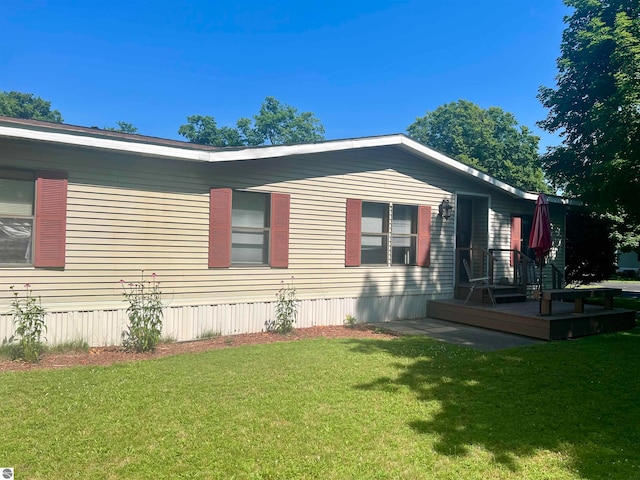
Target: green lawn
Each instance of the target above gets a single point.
(407, 408)
(628, 303)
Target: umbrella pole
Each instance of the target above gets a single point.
(540, 288)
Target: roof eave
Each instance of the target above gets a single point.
(83, 137)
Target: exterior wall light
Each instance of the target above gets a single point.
(445, 209)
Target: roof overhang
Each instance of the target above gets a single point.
(68, 135)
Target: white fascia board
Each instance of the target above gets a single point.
(419, 149)
(450, 163)
(105, 143)
(227, 155)
(258, 153)
(399, 140)
(276, 151)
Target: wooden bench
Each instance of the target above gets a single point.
(577, 295)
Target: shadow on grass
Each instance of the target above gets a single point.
(579, 399)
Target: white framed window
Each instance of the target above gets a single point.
(17, 206)
(374, 246)
(404, 234)
(389, 234)
(250, 228)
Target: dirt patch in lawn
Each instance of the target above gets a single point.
(111, 355)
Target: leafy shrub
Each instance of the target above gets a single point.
(145, 313)
(350, 321)
(28, 315)
(286, 309)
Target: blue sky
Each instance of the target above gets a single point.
(363, 67)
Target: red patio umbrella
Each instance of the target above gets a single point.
(540, 237)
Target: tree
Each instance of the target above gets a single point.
(278, 124)
(596, 109)
(123, 127)
(275, 124)
(489, 140)
(28, 106)
(204, 130)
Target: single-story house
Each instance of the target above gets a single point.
(369, 227)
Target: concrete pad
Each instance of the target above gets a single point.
(474, 337)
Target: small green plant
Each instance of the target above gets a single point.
(167, 339)
(145, 313)
(350, 321)
(286, 309)
(10, 349)
(28, 315)
(209, 334)
(78, 345)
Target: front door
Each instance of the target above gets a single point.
(464, 232)
(472, 235)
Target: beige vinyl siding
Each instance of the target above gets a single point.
(503, 208)
(127, 213)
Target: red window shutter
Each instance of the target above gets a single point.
(516, 237)
(280, 206)
(424, 236)
(220, 228)
(353, 233)
(51, 219)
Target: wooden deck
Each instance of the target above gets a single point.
(524, 319)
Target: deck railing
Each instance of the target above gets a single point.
(525, 270)
(480, 260)
(557, 277)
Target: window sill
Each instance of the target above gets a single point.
(379, 265)
(244, 267)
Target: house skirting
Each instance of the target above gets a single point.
(102, 327)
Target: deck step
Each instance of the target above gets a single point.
(510, 297)
(505, 289)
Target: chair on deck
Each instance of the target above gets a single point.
(528, 275)
(481, 283)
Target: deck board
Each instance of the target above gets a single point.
(524, 319)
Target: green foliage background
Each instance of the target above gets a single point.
(275, 124)
(595, 107)
(489, 140)
(27, 106)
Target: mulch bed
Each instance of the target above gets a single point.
(110, 355)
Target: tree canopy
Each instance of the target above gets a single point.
(205, 131)
(490, 140)
(123, 127)
(275, 124)
(596, 108)
(27, 106)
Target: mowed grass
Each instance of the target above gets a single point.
(407, 408)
